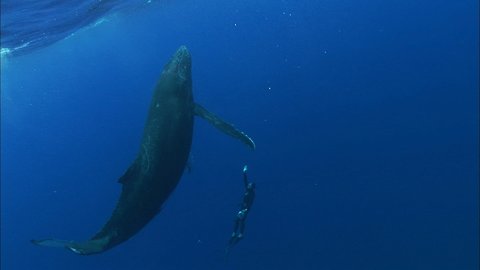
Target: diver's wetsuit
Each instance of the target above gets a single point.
(245, 207)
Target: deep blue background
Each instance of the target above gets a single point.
(365, 115)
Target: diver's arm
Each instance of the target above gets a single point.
(245, 179)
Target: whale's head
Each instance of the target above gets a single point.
(180, 64)
(176, 77)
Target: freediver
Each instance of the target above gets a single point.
(245, 207)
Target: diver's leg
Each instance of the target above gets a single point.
(234, 233)
(235, 227)
(241, 229)
(234, 238)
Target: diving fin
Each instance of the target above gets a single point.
(223, 126)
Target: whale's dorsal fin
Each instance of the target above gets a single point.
(225, 127)
(131, 173)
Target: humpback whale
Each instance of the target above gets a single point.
(161, 159)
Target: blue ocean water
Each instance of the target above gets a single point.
(364, 113)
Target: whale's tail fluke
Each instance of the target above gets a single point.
(82, 248)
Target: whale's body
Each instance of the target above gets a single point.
(161, 159)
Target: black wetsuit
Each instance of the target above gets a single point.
(245, 207)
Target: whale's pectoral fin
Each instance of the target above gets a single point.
(83, 248)
(225, 127)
